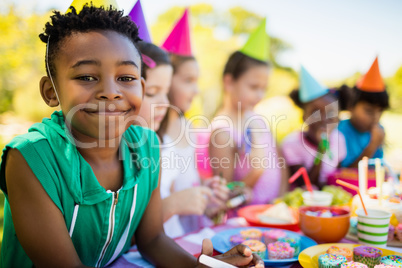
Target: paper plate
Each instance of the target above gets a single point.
(221, 242)
(309, 256)
(250, 213)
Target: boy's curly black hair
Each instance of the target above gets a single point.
(89, 19)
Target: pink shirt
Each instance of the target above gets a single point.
(298, 151)
(267, 186)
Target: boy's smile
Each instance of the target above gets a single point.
(98, 80)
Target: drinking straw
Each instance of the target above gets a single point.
(302, 171)
(352, 187)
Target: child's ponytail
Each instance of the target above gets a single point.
(345, 96)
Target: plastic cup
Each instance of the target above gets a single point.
(372, 230)
(318, 198)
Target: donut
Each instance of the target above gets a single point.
(256, 247)
(341, 251)
(331, 261)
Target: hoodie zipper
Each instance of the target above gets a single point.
(111, 226)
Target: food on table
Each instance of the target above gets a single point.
(341, 251)
(280, 250)
(256, 247)
(398, 231)
(392, 260)
(367, 255)
(391, 232)
(295, 199)
(353, 225)
(294, 242)
(353, 264)
(325, 213)
(271, 236)
(340, 196)
(236, 240)
(331, 260)
(251, 233)
(279, 213)
(385, 266)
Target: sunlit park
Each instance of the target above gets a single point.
(338, 42)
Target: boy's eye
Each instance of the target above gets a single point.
(149, 95)
(86, 78)
(126, 79)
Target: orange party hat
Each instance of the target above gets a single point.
(372, 80)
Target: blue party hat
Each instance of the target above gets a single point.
(310, 89)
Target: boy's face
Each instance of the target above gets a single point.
(364, 116)
(99, 83)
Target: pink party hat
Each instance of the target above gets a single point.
(137, 16)
(178, 41)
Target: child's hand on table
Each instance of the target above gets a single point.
(240, 256)
(377, 135)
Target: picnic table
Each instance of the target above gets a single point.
(192, 244)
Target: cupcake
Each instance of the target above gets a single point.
(391, 232)
(353, 264)
(294, 242)
(341, 251)
(236, 240)
(367, 255)
(280, 251)
(392, 260)
(252, 233)
(271, 236)
(256, 247)
(331, 261)
(398, 231)
(385, 266)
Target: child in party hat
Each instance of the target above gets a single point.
(240, 138)
(77, 190)
(318, 146)
(158, 73)
(365, 135)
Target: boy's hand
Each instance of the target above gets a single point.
(240, 256)
(377, 135)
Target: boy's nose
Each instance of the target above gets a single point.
(109, 91)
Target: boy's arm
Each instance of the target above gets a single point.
(38, 222)
(152, 242)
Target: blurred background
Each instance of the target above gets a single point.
(335, 40)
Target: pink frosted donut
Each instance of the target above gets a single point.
(280, 250)
(353, 264)
(271, 236)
